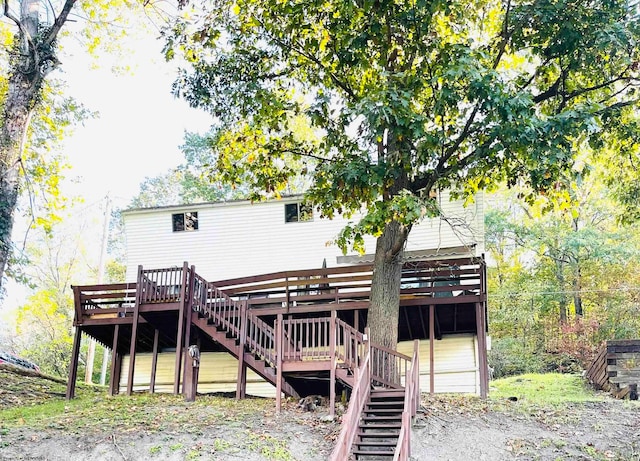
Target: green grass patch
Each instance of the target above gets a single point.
(543, 389)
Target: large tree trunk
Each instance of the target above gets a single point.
(385, 285)
(23, 87)
(33, 59)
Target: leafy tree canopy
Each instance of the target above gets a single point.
(404, 97)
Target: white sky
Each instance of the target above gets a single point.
(137, 134)
(139, 128)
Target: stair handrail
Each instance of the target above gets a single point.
(388, 366)
(348, 344)
(359, 396)
(231, 314)
(411, 404)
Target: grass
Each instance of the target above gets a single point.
(544, 389)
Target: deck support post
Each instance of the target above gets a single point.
(332, 372)
(187, 305)
(278, 332)
(241, 381)
(191, 371)
(116, 362)
(482, 350)
(180, 331)
(154, 361)
(432, 330)
(134, 331)
(73, 366)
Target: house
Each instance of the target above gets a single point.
(265, 305)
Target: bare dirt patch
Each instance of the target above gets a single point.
(164, 427)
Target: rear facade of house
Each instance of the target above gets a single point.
(278, 258)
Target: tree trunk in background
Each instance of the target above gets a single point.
(24, 84)
(33, 58)
(577, 296)
(385, 286)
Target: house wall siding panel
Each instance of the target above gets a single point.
(241, 239)
(455, 366)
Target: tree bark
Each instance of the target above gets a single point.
(23, 89)
(385, 285)
(33, 59)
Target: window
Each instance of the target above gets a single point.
(298, 212)
(185, 221)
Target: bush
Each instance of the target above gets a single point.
(508, 357)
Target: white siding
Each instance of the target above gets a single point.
(455, 365)
(218, 373)
(240, 239)
(455, 369)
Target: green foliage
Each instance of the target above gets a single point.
(565, 277)
(43, 334)
(403, 97)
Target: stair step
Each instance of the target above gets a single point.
(381, 418)
(385, 453)
(380, 426)
(390, 394)
(381, 411)
(377, 443)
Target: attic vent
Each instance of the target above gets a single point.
(185, 221)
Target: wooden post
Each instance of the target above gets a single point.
(278, 333)
(432, 332)
(154, 361)
(180, 332)
(187, 305)
(134, 332)
(482, 350)
(73, 366)
(192, 368)
(241, 381)
(332, 372)
(114, 384)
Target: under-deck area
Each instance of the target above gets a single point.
(303, 331)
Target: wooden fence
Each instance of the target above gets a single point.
(616, 368)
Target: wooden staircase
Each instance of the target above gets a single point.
(243, 334)
(258, 362)
(380, 425)
(385, 396)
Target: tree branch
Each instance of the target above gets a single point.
(52, 34)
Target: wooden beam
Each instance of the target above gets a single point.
(134, 336)
(114, 380)
(73, 366)
(332, 372)
(241, 381)
(180, 332)
(482, 351)
(432, 374)
(279, 335)
(154, 361)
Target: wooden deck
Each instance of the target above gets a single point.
(288, 327)
(295, 322)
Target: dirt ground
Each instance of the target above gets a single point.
(448, 428)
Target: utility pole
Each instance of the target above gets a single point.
(101, 268)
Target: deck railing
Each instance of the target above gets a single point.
(307, 339)
(388, 367)
(359, 396)
(411, 405)
(350, 345)
(161, 285)
(462, 279)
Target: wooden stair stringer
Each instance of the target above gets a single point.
(265, 371)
